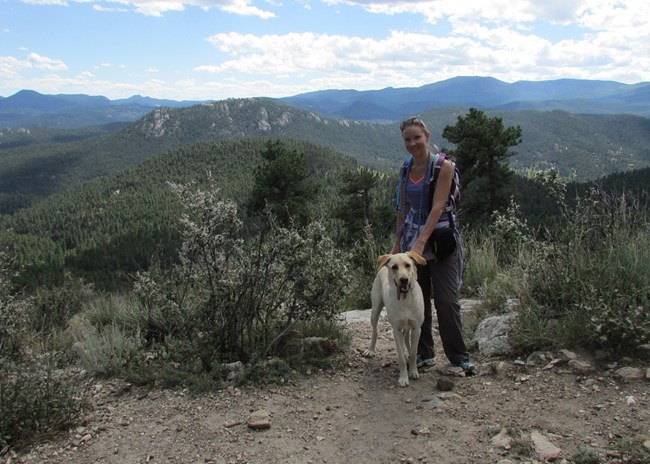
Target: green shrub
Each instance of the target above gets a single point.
(587, 456)
(108, 350)
(37, 397)
(481, 261)
(55, 306)
(363, 269)
(595, 277)
(632, 449)
(273, 371)
(37, 393)
(581, 282)
(229, 299)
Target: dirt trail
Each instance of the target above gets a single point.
(359, 415)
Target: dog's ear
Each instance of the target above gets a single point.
(417, 258)
(382, 260)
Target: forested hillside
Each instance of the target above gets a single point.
(111, 227)
(581, 147)
(35, 163)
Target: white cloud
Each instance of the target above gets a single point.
(408, 58)
(11, 67)
(45, 63)
(46, 2)
(506, 39)
(244, 8)
(434, 10)
(109, 9)
(160, 7)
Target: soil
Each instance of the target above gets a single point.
(358, 414)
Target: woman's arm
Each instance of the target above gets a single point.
(440, 196)
(399, 228)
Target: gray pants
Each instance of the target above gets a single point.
(442, 279)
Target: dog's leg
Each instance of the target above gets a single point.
(413, 353)
(398, 335)
(374, 319)
(377, 306)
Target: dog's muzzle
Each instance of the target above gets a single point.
(403, 286)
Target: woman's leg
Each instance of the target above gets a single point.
(425, 345)
(445, 295)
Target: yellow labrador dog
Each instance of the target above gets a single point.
(396, 288)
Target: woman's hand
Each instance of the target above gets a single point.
(418, 247)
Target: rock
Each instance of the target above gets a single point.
(492, 335)
(501, 440)
(566, 355)
(538, 358)
(421, 431)
(512, 305)
(493, 368)
(445, 384)
(233, 369)
(448, 396)
(451, 370)
(552, 364)
(546, 451)
(630, 373)
(581, 367)
(260, 420)
(433, 403)
(468, 305)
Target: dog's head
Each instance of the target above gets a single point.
(402, 268)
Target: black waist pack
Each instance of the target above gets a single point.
(443, 243)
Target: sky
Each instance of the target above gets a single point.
(219, 49)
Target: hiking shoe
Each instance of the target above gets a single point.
(421, 362)
(467, 367)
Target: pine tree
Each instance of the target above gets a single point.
(482, 148)
(283, 187)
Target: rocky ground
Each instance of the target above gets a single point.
(547, 408)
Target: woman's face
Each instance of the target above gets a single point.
(416, 140)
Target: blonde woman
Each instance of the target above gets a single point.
(420, 213)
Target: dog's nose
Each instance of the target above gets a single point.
(403, 280)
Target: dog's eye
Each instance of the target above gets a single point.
(395, 267)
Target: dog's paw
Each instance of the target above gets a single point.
(414, 374)
(369, 353)
(403, 381)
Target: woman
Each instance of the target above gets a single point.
(416, 221)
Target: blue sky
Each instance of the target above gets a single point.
(218, 49)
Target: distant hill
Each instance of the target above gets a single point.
(392, 104)
(108, 229)
(28, 108)
(39, 163)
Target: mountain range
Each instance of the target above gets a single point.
(95, 198)
(28, 108)
(41, 161)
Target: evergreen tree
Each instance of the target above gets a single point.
(282, 186)
(355, 210)
(482, 147)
